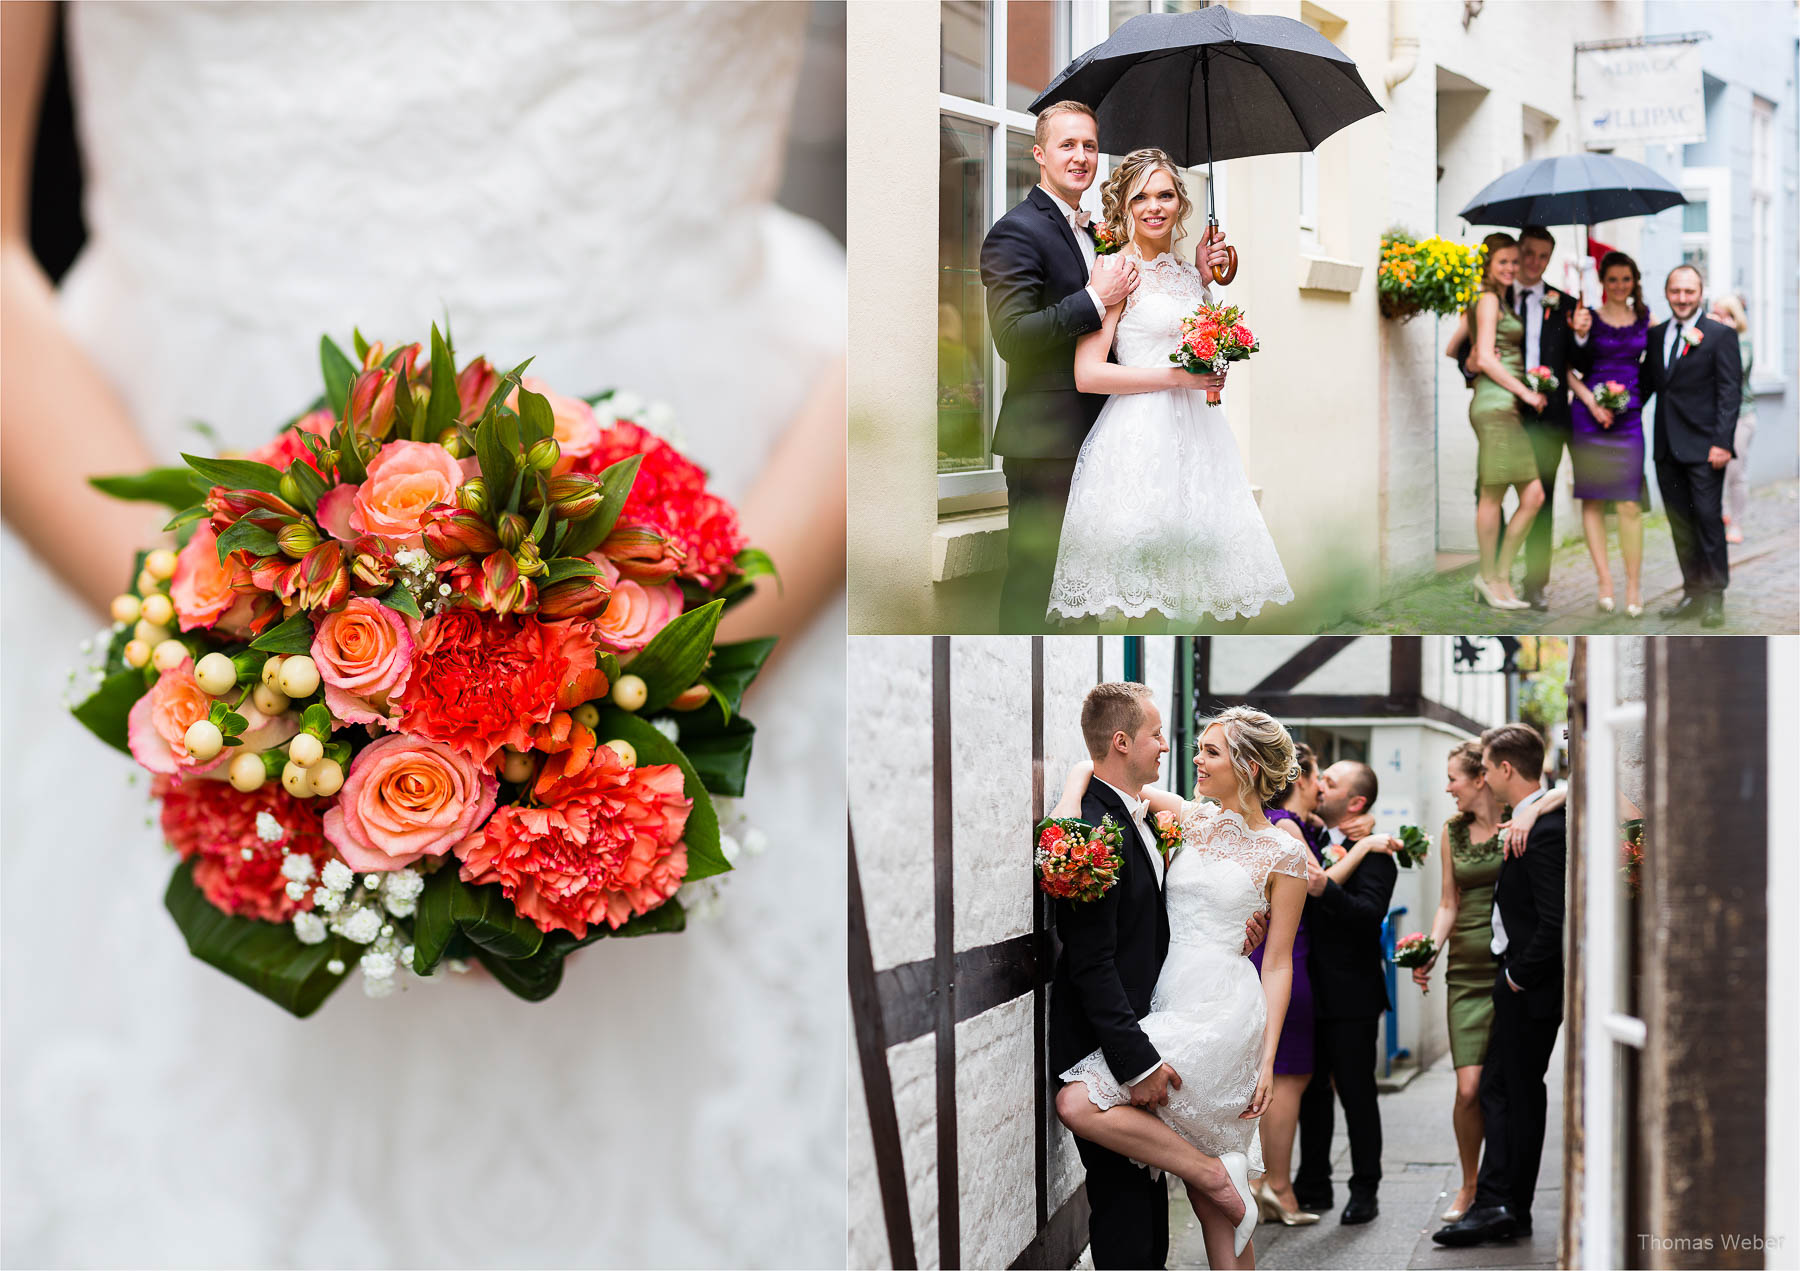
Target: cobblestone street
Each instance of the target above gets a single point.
(1419, 1178)
(1763, 599)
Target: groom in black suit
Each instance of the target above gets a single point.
(1545, 312)
(1692, 365)
(1344, 961)
(1528, 940)
(1046, 288)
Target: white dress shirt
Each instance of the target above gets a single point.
(1672, 342)
(1156, 863)
(1086, 241)
(1531, 310)
(1500, 941)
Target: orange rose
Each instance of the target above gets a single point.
(404, 480)
(577, 431)
(202, 588)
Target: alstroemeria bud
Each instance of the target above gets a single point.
(449, 532)
(475, 383)
(408, 360)
(371, 563)
(642, 554)
(227, 507)
(297, 538)
(573, 598)
(472, 496)
(530, 563)
(451, 440)
(544, 454)
(574, 496)
(513, 528)
(372, 402)
(319, 580)
(503, 588)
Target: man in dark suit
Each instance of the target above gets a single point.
(1528, 940)
(1112, 951)
(1693, 367)
(1545, 312)
(1344, 961)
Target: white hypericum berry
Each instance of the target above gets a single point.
(309, 928)
(127, 609)
(271, 671)
(215, 674)
(247, 772)
(137, 654)
(203, 739)
(336, 876)
(670, 730)
(299, 676)
(335, 966)
(296, 780)
(514, 767)
(269, 830)
(630, 693)
(626, 752)
(270, 701)
(296, 867)
(157, 609)
(327, 777)
(160, 564)
(306, 750)
(362, 926)
(167, 654)
(587, 715)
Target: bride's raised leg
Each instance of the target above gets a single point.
(1219, 1232)
(1145, 1137)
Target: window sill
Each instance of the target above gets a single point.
(964, 546)
(1323, 273)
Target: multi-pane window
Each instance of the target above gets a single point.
(1765, 306)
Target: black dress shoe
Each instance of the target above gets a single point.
(1712, 612)
(1537, 600)
(1313, 1202)
(1360, 1209)
(1686, 607)
(1491, 1222)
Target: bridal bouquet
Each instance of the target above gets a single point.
(1415, 950)
(1414, 844)
(1539, 379)
(432, 678)
(1612, 396)
(1077, 861)
(1211, 340)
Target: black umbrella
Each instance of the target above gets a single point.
(1214, 84)
(1572, 189)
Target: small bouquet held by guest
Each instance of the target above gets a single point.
(1631, 854)
(1414, 844)
(1213, 338)
(1612, 396)
(1167, 828)
(1418, 949)
(1539, 379)
(432, 680)
(1078, 861)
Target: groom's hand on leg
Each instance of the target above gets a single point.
(1153, 1091)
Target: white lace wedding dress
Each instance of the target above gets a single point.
(589, 184)
(1207, 1014)
(1160, 516)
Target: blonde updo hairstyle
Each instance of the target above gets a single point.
(1467, 757)
(1262, 754)
(1134, 170)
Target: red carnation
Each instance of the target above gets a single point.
(1204, 348)
(479, 681)
(217, 823)
(1242, 335)
(606, 844)
(670, 496)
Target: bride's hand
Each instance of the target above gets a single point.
(1209, 255)
(1259, 1102)
(1181, 378)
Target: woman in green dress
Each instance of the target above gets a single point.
(1504, 456)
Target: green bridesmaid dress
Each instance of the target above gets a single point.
(1504, 456)
(1469, 977)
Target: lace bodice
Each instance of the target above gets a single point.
(1220, 877)
(1169, 289)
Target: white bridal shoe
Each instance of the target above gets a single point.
(1238, 1166)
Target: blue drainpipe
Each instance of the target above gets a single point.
(1388, 928)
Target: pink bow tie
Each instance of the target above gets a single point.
(1080, 220)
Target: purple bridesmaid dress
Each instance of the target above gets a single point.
(1294, 1053)
(1609, 462)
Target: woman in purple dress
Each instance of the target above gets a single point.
(1607, 446)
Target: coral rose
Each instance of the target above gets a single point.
(204, 590)
(287, 446)
(577, 430)
(404, 480)
(363, 652)
(479, 682)
(406, 798)
(605, 845)
(635, 611)
(237, 869)
(156, 729)
(670, 496)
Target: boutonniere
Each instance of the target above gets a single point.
(1104, 245)
(1690, 336)
(1167, 828)
(1551, 299)
(1331, 854)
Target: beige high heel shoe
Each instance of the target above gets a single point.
(1271, 1209)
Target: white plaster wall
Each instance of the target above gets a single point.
(867, 1244)
(1068, 674)
(1361, 668)
(990, 739)
(890, 791)
(996, 1140)
(1239, 665)
(913, 1066)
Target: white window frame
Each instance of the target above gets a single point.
(1605, 1026)
(1765, 235)
(1713, 185)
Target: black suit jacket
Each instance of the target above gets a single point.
(1555, 344)
(1697, 398)
(1343, 932)
(1529, 895)
(1112, 952)
(1038, 307)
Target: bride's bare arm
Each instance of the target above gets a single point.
(796, 512)
(1163, 800)
(1069, 805)
(1287, 896)
(62, 422)
(1094, 374)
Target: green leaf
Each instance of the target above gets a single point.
(734, 666)
(533, 979)
(236, 474)
(266, 956)
(108, 708)
(536, 420)
(246, 535)
(615, 487)
(316, 719)
(753, 562)
(675, 658)
(497, 463)
(704, 855)
(174, 487)
(295, 635)
(511, 380)
(400, 600)
(351, 468)
(720, 752)
(361, 345)
(483, 914)
(404, 412)
(444, 403)
(339, 371)
(566, 567)
(185, 517)
(608, 662)
(434, 925)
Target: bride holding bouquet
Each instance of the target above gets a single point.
(1161, 519)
